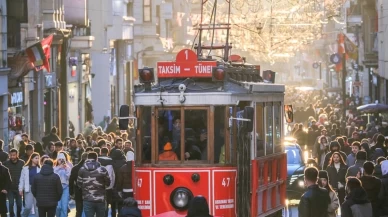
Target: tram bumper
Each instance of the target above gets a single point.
(173, 214)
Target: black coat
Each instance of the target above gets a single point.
(356, 204)
(3, 156)
(328, 157)
(73, 188)
(335, 177)
(5, 184)
(130, 212)
(47, 187)
(372, 186)
(383, 196)
(314, 202)
(15, 170)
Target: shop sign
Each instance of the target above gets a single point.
(16, 98)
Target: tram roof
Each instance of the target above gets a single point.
(207, 86)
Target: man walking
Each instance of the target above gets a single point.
(93, 180)
(356, 203)
(107, 162)
(5, 184)
(15, 166)
(47, 189)
(315, 200)
(74, 190)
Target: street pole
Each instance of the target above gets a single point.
(358, 92)
(320, 71)
(64, 117)
(344, 90)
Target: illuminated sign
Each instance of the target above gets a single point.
(186, 65)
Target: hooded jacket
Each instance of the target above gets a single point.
(314, 202)
(357, 204)
(198, 208)
(93, 180)
(372, 186)
(328, 155)
(107, 162)
(130, 212)
(47, 187)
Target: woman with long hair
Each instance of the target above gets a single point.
(63, 168)
(337, 171)
(324, 148)
(323, 182)
(29, 171)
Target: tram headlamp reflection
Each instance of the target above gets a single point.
(180, 198)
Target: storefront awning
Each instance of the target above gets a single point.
(20, 66)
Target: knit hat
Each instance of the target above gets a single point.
(61, 156)
(323, 175)
(384, 167)
(167, 147)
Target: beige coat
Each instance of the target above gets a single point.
(334, 205)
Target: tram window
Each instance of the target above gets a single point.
(260, 130)
(169, 135)
(196, 133)
(269, 129)
(219, 135)
(146, 134)
(277, 127)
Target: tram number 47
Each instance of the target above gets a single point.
(226, 182)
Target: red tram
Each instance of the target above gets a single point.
(213, 129)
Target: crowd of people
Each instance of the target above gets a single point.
(348, 166)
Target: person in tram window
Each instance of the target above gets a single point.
(192, 152)
(168, 153)
(203, 144)
(219, 146)
(176, 133)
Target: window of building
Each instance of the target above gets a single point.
(269, 129)
(196, 134)
(147, 11)
(277, 109)
(130, 9)
(260, 135)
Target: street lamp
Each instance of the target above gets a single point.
(316, 65)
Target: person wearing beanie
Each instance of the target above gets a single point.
(198, 207)
(356, 203)
(334, 147)
(361, 158)
(372, 185)
(323, 182)
(168, 154)
(383, 195)
(63, 168)
(351, 159)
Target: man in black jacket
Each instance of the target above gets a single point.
(3, 154)
(315, 200)
(5, 184)
(47, 189)
(371, 185)
(74, 190)
(15, 166)
(383, 194)
(356, 203)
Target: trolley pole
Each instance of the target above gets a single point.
(344, 90)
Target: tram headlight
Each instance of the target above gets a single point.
(180, 198)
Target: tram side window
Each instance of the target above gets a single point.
(169, 135)
(196, 133)
(219, 135)
(277, 127)
(260, 130)
(146, 134)
(269, 129)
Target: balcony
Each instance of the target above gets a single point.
(82, 38)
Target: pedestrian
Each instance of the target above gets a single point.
(5, 186)
(29, 171)
(198, 207)
(47, 189)
(74, 190)
(323, 182)
(337, 171)
(3, 154)
(15, 166)
(334, 147)
(129, 151)
(351, 159)
(118, 161)
(315, 201)
(130, 208)
(371, 185)
(93, 179)
(377, 172)
(124, 182)
(361, 157)
(356, 203)
(107, 162)
(25, 155)
(63, 169)
(383, 194)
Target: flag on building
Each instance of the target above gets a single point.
(340, 50)
(39, 54)
(350, 48)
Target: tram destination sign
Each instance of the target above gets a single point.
(186, 65)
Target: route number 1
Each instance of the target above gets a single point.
(187, 54)
(225, 182)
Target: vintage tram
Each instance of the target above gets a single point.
(210, 128)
